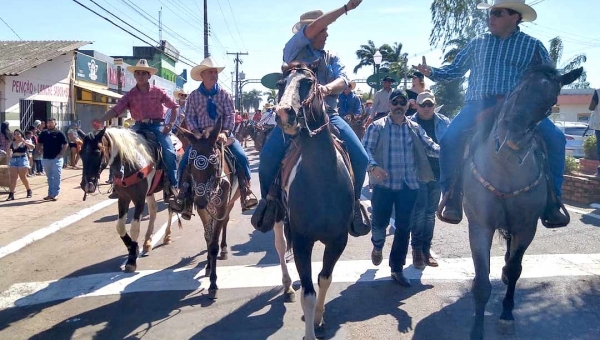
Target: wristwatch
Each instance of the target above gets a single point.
(371, 167)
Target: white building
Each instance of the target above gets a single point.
(573, 105)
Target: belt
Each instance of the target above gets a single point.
(18, 156)
(152, 121)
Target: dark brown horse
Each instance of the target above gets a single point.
(215, 188)
(245, 130)
(136, 177)
(357, 123)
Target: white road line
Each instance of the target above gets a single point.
(52, 228)
(583, 212)
(251, 276)
(157, 236)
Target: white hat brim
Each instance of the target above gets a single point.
(176, 93)
(527, 12)
(150, 70)
(300, 24)
(195, 73)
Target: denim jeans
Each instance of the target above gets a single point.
(453, 143)
(39, 167)
(236, 149)
(422, 221)
(382, 202)
(166, 144)
(273, 151)
(53, 169)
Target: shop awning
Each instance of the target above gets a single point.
(99, 89)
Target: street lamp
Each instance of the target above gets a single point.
(377, 58)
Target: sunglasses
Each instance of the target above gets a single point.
(400, 102)
(428, 104)
(183, 96)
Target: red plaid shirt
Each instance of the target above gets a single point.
(145, 105)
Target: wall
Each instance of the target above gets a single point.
(573, 113)
(581, 189)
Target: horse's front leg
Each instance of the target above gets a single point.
(123, 204)
(152, 209)
(224, 251)
(289, 294)
(480, 239)
(510, 274)
(213, 252)
(134, 250)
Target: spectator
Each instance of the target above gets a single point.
(74, 144)
(18, 164)
(5, 137)
(37, 152)
(53, 144)
(594, 123)
(29, 138)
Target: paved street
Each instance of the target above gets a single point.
(61, 279)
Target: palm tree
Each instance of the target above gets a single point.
(556, 51)
(256, 98)
(246, 101)
(365, 55)
(271, 96)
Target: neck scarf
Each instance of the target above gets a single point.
(211, 106)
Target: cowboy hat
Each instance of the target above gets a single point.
(306, 19)
(268, 106)
(526, 11)
(142, 65)
(176, 93)
(206, 64)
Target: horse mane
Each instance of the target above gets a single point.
(130, 146)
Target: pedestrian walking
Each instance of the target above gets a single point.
(18, 165)
(53, 143)
(594, 123)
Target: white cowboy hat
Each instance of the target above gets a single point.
(206, 64)
(526, 11)
(306, 19)
(176, 93)
(142, 65)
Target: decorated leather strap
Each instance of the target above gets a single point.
(134, 178)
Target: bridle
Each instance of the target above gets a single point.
(307, 103)
(103, 165)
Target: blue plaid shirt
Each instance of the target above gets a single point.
(399, 158)
(496, 64)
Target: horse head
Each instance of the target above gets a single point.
(205, 165)
(529, 103)
(300, 105)
(94, 156)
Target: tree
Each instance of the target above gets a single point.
(271, 96)
(451, 93)
(456, 19)
(365, 54)
(251, 99)
(556, 51)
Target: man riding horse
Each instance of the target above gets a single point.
(204, 106)
(147, 105)
(497, 61)
(307, 45)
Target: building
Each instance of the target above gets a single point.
(573, 105)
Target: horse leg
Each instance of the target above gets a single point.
(152, 209)
(333, 251)
(224, 255)
(511, 273)
(208, 224)
(134, 250)
(213, 252)
(167, 239)
(280, 244)
(480, 239)
(122, 230)
(302, 255)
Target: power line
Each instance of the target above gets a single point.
(11, 28)
(226, 23)
(236, 25)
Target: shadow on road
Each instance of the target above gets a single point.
(162, 206)
(259, 242)
(551, 310)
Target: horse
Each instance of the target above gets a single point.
(261, 133)
(136, 177)
(318, 194)
(215, 188)
(357, 123)
(505, 185)
(245, 130)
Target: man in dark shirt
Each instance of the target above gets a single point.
(53, 144)
(423, 217)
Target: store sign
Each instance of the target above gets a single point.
(91, 69)
(28, 88)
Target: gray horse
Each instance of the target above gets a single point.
(505, 186)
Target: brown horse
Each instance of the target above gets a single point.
(357, 123)
(215, 188)
(137, 179)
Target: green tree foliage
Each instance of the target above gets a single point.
(251, 100)
(271, 96)
(456, 19)
(556, 51)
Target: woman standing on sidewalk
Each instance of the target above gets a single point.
(18, 163)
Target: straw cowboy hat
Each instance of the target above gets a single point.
(306, 19)
(352, 85)
(176, 93)
(526, 11)
(205, 64)
(268, 106)
(142, 65)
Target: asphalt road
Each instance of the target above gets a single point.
(69, 285)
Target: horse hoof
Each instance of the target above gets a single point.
(130, 268)
(147, 248)
(166, 241)
(213, 294)
(289, 297)
(320, 331)
(223, 256)
(506, 327)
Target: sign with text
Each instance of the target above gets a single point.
(91, 69)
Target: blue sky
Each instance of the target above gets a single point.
(261, 28)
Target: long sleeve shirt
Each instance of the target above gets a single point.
(399, 157)
(145, 105)
(349, 104)
(196, 114)
(381, 102)
(299, 48)
(496, 65)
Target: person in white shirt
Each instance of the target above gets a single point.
(380, 104)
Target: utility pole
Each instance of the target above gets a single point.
(206, 54)
(237, 65)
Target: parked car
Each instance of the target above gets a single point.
(575, 137)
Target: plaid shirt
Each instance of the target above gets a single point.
(145, 105)
(496, 64)
(196, 115)
(399, 158)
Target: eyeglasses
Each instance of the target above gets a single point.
(183, 96)
(400, 102)
(428, 104)
(496, 13)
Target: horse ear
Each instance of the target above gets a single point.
(570, 77)
(100, 134)
(81, 134)
(212, 138)
(186, 134)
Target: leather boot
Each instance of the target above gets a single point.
(29, 193)
(418, 259)
(361, 223)
(11, 196)
(113, 194)
(177, 203)
(450, 208)
(430, 260)
(248, 199)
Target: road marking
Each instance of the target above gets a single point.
(52, 228)
(583, 212)
(252, 276)
(157, 236)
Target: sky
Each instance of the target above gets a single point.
(262, 27)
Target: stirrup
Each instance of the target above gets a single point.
(443, 204)
(564, 218)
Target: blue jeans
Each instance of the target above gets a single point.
(422, 221)
(382, 202)
(273, 151)
(39, 168)
(236, 149)
(53, 169)
(166, 144)
(452, 144)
